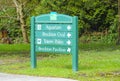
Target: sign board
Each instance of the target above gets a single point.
(54, 33)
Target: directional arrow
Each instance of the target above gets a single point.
(39, 27)
(68, 42)
(68, 27)
(69, 50)
(68, 35)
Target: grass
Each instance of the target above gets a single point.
(97, 62)
(14, 47)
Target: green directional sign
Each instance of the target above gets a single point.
(54, 33)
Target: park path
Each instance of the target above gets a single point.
(13, 77)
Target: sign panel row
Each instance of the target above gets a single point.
(54, 27)
(53, 49)
(49, 41)
(53, 34)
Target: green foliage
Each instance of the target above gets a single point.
(8, 20)
(94, 15)
(110, 38)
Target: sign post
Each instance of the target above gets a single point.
(33, 53)
(75, 45)
(54, 33)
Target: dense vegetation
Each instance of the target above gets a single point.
(98, 16)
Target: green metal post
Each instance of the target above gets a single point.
(33, 54)
(75, 47)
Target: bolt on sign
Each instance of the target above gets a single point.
(54, 33)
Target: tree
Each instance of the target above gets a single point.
(118, 41)
(15, 17)
(94, 15)
(12, 16)
(20, 17)
(6, 13)
(6, 20)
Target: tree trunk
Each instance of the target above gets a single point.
(23, 25)
(20, 16)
